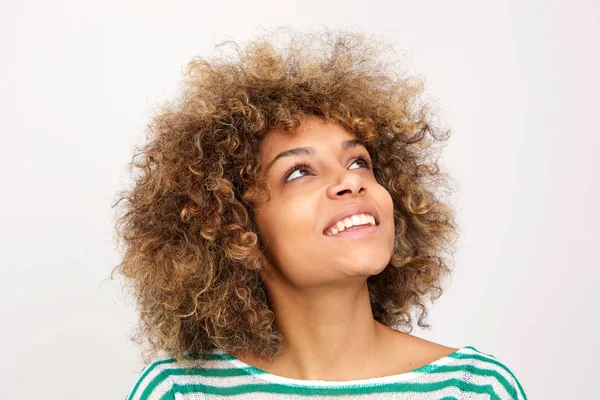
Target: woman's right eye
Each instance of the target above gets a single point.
(296, 168)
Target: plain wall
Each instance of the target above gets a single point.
(516, 82)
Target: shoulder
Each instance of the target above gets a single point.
(416, 350)
(163, 379)
(482, 370)
(466, 368)
(154, 381)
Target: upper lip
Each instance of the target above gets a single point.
(353, 209)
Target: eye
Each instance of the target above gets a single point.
(364, 160)
(295, 168)
(305, 167)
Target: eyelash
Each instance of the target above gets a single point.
(299, 165)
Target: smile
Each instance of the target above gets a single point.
(351, 223)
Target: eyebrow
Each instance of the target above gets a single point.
(309, 151)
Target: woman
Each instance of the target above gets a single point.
(284, 233)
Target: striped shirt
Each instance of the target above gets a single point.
(465, 374)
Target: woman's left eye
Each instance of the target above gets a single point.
(364, 160)
(305, 167)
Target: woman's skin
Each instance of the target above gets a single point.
(318, 283)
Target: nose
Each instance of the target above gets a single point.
(347, 183)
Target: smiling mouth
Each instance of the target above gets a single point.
(353, 222)
(355, 232)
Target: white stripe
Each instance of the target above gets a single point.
(484, 380)
(228, 382)
(407, 376)
(150, 377)
(411, 377)
(161, 389)
(449, 391)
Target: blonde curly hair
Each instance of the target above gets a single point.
(192, 257)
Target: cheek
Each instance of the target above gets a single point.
(387, 212)
(388, 204)
(287, 226)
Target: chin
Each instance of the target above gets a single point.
(367, 267)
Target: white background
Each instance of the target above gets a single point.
(517, 83)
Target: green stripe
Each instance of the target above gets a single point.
(146, 372)
(168, 396)
(314, 390)
(491, 361)
(481, 372)
(353, 389)
(213, 372)
(474, 349)
(151, 367)
(340, 391)
(218, 356)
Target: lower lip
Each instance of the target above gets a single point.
(355, 233)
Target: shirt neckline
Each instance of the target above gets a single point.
(402, 377)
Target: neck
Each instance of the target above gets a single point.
(329, 333)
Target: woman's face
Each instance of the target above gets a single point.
(308, 200)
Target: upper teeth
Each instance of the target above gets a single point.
(354, 220)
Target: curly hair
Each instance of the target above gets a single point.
(192, 257)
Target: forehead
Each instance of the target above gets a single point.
(312, 132)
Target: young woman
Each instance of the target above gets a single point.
(284, 233)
